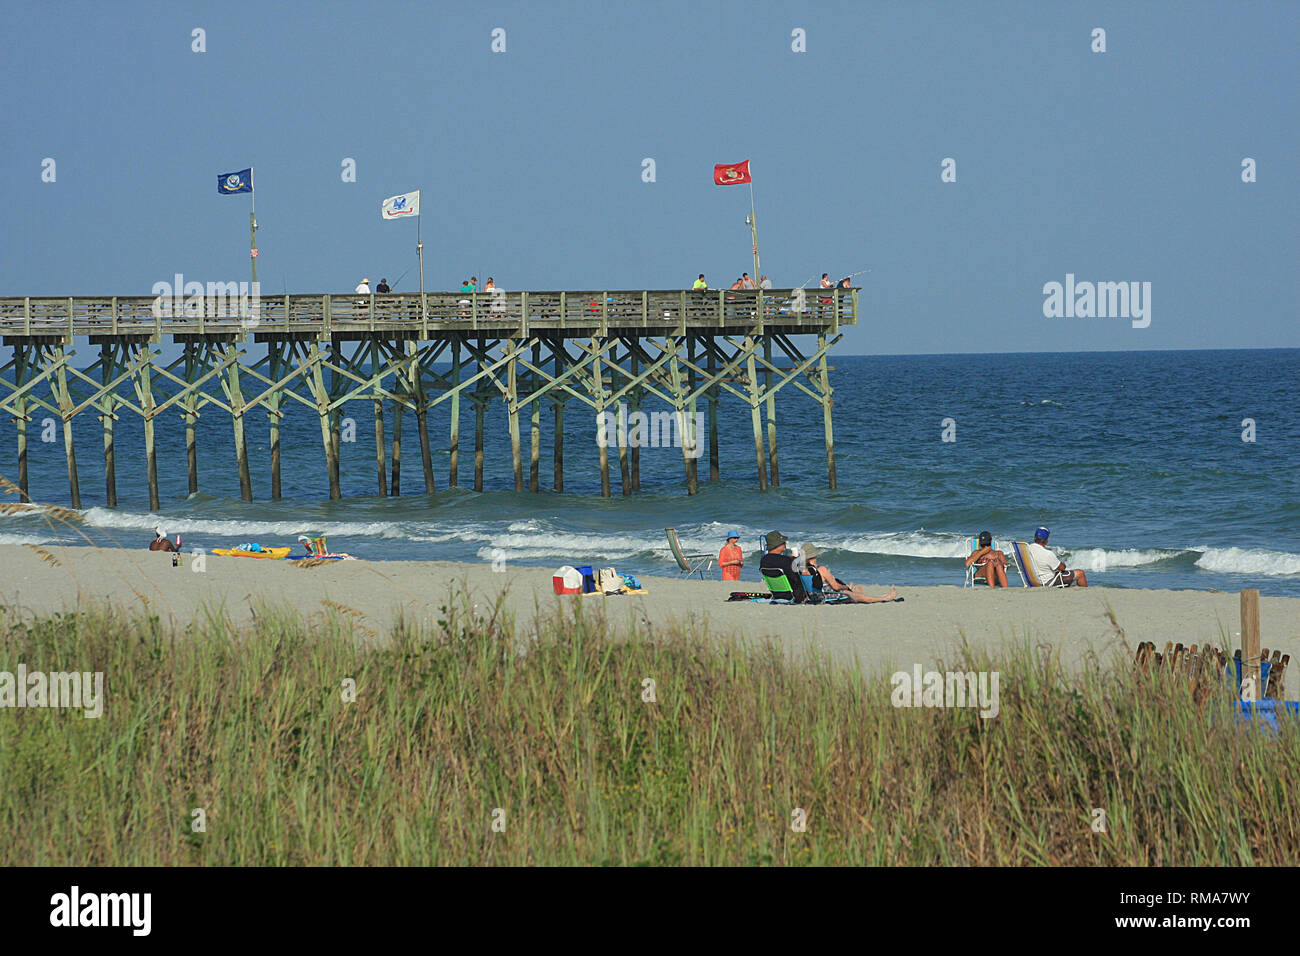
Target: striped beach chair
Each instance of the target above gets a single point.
(1025, 568)
(972, 544)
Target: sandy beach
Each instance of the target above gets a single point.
(926, 626)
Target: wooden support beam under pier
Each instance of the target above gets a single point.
(622, 353)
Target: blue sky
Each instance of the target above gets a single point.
(1115, 166)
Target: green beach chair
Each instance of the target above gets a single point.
(778, 582)
(790, 590)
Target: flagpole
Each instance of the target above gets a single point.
(252, 225)
(753, 229)
(419, 249)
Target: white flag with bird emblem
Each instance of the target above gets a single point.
(401, 207)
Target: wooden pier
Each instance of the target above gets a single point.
(605, 351)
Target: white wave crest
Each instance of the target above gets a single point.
(522, 546)
(1248, 561)
(32, 538)
(23, 509)
(1101, 559)
(242, 528)
(912, 544)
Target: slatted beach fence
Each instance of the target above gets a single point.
(1206, 666)
(601, 351)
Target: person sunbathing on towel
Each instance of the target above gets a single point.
(993, 564)
(823, 579)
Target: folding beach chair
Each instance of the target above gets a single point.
(1025, 568)
(688, 564)
(972, 544)
(783, 587)
(788, 589)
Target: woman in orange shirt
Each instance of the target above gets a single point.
(731, 558)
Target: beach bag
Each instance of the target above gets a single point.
(610, 581)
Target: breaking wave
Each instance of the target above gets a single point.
(1248, 561)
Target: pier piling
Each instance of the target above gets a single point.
(604, 352)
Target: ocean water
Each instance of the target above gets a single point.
(1136, 462)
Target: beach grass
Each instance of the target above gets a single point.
(465, 721)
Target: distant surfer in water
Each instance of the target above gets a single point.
(160, 542)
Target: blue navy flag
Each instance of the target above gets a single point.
(240, 182)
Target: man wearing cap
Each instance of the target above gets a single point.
(731, 558)
(1048, 568)
(776, 558)
(822, 579)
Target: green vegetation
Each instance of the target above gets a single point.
(454, 719)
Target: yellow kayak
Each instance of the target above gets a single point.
(264, 553)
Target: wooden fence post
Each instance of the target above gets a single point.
(1250, 645)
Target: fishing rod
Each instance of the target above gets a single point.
(401, 277)
(849, 276)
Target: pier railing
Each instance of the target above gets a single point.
(660, 310)
(611, 355)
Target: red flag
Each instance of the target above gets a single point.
(732, 175)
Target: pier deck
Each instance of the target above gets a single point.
(604, 350)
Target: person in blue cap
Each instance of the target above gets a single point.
(1049, 569)
(731, 558)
